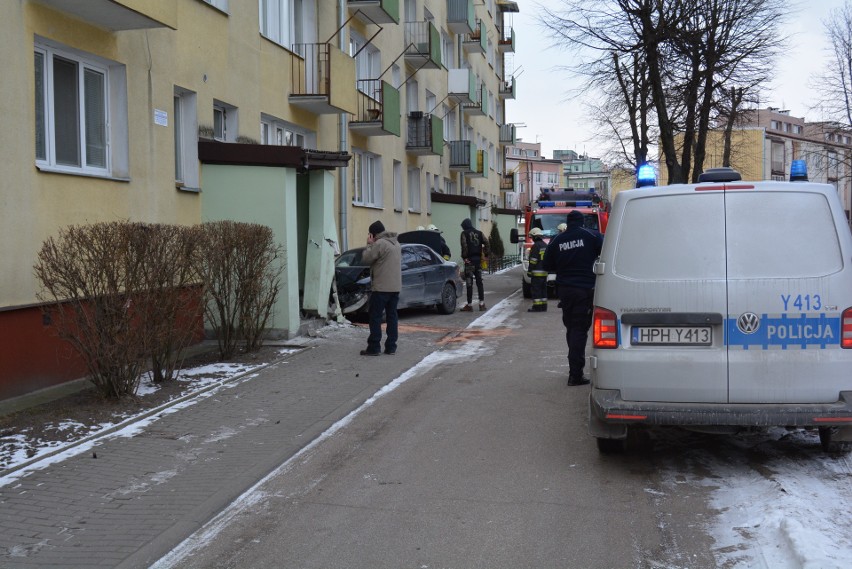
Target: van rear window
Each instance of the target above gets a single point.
(781, 235)
(669, 238)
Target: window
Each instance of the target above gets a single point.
(414, 189)
(283, 21)
(80, 111)
(366, 178)
(397, 185)
(777, 157)
(277, 132)
(185, 125)
(225, 126)
(447, 50)
(367, 61)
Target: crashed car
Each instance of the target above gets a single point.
(427, 279)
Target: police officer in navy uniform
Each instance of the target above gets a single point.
(571, 255)
(537, 274)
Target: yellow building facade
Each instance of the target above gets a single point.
(129, 109)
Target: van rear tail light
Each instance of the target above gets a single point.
(605, 332)
(846, 329)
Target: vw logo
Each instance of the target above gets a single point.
(748, 322)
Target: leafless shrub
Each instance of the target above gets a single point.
(241, 268)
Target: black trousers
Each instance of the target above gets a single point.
(577, 318)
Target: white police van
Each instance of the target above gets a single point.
(734, 313)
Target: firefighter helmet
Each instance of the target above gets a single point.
(536, 232)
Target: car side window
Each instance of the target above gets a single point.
(409, 258)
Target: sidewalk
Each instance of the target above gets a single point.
(139, 492)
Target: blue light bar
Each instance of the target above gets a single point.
(798, 171)
(645, 176)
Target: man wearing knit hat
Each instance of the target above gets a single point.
(384, 256)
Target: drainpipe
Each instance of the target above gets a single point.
(343, 130)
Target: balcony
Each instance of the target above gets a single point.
(480, 169)
(506, 41)
(508, 134)
(425, 134)
(118, 15)
(477, 40)
(479, 106)
(461, 85)
(375, 11)
(460, 16)
(378, 109)
(423, 45)
(463, 156)
(507, 183)
(507, 88)
(323, 79)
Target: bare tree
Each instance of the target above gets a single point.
(688, 51)
(834, 84)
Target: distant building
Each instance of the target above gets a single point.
(768, 140)
(530, 173)
(582, 172)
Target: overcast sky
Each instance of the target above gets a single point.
(558, 122)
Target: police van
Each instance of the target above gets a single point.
(736, 313)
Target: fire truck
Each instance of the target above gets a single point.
(547, 212)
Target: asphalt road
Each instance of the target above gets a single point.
(479, 458)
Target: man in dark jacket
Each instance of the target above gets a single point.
(384, 255)
(571, 255)
(473, 246)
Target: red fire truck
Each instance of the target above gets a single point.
(547, 212)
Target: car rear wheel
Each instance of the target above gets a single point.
(447, 305)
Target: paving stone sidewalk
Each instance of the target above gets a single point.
(137, 494)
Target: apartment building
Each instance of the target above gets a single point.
(583, 172)
(766, 141)
(530, 173)
(314, 117)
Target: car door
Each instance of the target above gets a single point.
(412, 278)
(787, 287)
(666, 286)
(433, 275)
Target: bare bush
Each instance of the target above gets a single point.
(93, 273)
(241, 267)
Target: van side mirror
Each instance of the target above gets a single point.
(513, 235)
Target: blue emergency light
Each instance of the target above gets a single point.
(645, 176)
(798, 171)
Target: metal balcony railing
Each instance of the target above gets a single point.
(312, 72)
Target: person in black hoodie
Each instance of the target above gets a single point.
(571, 255)
(473, 246)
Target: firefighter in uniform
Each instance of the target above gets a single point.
(537, 274)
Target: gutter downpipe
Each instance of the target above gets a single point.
(343, 130)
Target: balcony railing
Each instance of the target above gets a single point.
(479, 107)
(461, 85)
(462, 156)
(477, 40)
(378, 109)
(507, 183)
(508, 134)
(460, 16)
(425, 134)
(506, 40)
(423, 45)
(507, 88)
(314, 87)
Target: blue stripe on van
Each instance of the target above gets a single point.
(802, 331)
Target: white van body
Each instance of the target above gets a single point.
(727, 305)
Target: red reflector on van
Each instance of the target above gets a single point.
(832, 419)
(846, 329)
(620, 417)
(604, 329)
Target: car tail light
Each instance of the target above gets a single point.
(846, 329)
(605, 332)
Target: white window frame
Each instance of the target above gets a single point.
(277, 132)
(398, 204)
(185, 125)
(414, 190)
(366, 179)
(278, 21)
(225, 122)
(368, 61)
(112, 135)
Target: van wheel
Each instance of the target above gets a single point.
(447, 305)
(828, 442)
(526, 288)
(611, 446)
